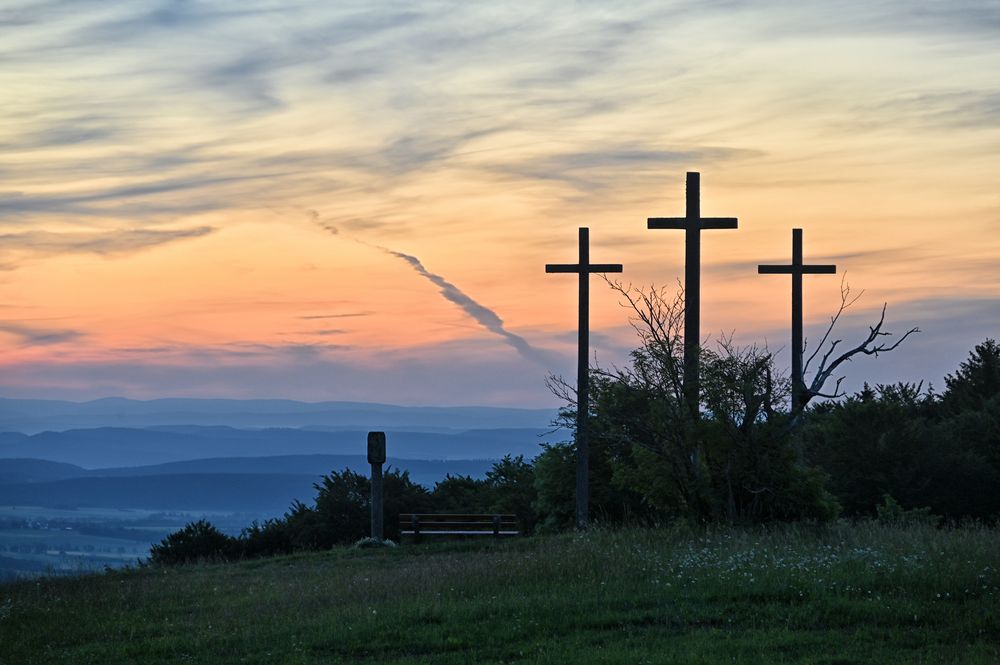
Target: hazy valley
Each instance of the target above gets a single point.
(85, 485)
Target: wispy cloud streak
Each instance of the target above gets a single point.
(105, 243)
(483, 315)
(34, 336)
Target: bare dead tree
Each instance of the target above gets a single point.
(872, 345)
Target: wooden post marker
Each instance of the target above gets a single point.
(376, 457)
(796, 270)
(584, 268)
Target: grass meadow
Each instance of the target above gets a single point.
(861, 593)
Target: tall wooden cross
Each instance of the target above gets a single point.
(584, 268)
(796, 270)
(692, 223)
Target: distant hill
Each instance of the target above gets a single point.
(36, 470)
(425, 472)
(266, 493)
(33, 416)
(117, 447)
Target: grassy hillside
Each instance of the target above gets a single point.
(845, 594)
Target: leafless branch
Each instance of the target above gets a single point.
(870, 346)
(845, 301)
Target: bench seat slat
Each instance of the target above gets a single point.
(458, 524)
(455, 517)
(447, 522)
(467, 527)
(461, 533)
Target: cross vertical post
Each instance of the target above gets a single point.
(584, 268)
(583, 385)
(692, 287)
(796, 270)
(692, 224)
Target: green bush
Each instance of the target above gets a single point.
(890, 513)
(512, 484)
(342, 514)
(197, 542)
(271, 538)
(651, 461)
(923, 450)
(462, 494)
(508, 488)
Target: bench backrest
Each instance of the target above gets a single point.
(458, 524)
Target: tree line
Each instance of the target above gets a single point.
(887, 451)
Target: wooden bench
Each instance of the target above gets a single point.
(416, 525)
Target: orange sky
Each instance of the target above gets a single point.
(170, 177)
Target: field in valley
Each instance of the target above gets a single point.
(38, 541)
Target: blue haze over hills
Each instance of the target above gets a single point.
(84, 485)
(33, 416)
(186, 454)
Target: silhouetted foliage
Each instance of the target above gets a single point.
(924, 451)
(508, 488)
(462, 494)
(874, 443)
(512, 484)
(196, 542)
(976, 381)
(890, 513)
(342, 506)
(738, 462)
(342, 509)
(896, 453)
(269, 538)
(555, 488)
(555, 484)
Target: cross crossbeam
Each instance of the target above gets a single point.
(575, 267)
(692, 224)
(584, 268)
(796, 269)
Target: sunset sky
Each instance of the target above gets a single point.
(334, 200)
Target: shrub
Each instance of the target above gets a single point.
(512, 484)
(891, 513)
(342, 514)
(271, 538)
(197, 541)
(373, 543)
(463, 494)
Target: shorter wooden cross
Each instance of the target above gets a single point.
(796, 270)
(584, 268)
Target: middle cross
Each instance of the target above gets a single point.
(692, 223)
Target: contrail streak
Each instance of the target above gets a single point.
(483, 315)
